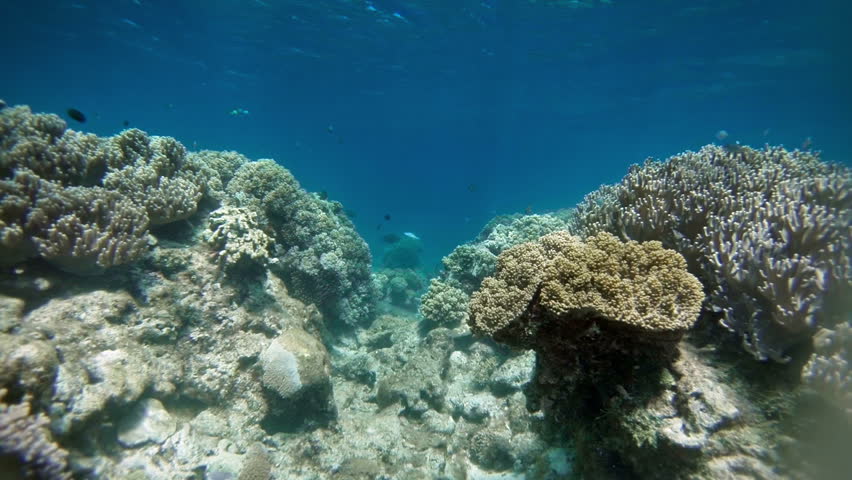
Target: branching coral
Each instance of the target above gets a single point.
(324, 259)
(154, 172)
(237, 236)
(767, 230)
(80, 229)
(26, 443)
(85, 203)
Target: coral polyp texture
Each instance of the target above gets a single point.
(85, 203)
(638, 287)
(768, 231)
(237, 236)
(322, 257)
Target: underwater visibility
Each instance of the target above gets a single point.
(425, 240)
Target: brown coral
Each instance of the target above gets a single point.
(635, 286)
(767, 231)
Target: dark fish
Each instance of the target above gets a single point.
(528, 210)
(387, 217)
(734, 148)
(806, 145)
(472, 188)
(76, 115)
(330, 129)
(2, 104)
(350, 213)
(126, 123)
(323, 195)
(391, 238)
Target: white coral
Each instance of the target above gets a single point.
(236, 233)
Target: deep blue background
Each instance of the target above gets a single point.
(449, 111)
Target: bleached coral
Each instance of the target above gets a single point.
(237, 236)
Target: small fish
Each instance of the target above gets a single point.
(126, 123)
(528, 210)
(766, 132)
(323, 195)
(411, 235)
(721, 135)
(734, 148)
(330, 129)
(391, 238)
(387, 217)
(2, 104)
(807, 143)
(76, 115)
(238, 112)
(472, 188)
(350, 213)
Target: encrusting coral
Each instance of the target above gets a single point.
(638, 287)
(444, 304)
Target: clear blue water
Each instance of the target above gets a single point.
(441, 113)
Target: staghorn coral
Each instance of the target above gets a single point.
(639, 287)
(444, 304)
(236, 234)
(767, 231)
(26, 444)
(324, 259)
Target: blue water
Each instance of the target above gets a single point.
(441, 113)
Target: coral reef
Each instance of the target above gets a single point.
(79, 229)
(85, 203)
(296, 367)
(26, 446)
(638, 287)
(323, 258)
(464, 269)
(399, 287)
(767, 231)
(828, 370)
(404, 254)
(444, 304)
(154, 172)
(237, 236)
